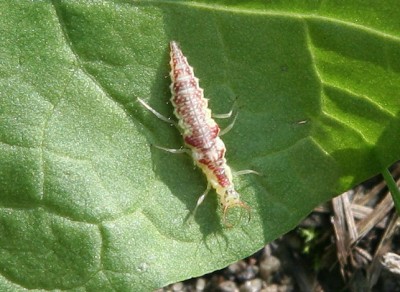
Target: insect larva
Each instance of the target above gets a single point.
(200, 132)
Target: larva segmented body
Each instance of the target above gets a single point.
(199, 130)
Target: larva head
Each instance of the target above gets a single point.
(232, 200)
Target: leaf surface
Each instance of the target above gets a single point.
(88, 204)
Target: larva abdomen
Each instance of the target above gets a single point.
(199, 130)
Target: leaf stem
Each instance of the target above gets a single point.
(393, 188)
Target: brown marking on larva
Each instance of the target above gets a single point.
(200, 131)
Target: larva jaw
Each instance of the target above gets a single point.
(233, 201)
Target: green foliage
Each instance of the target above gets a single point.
(87, 204)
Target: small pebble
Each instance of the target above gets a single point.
(271, 288)
(228, 286)
(247, 274)
(177, 287)
(269, 266)
(200, 284)
(235, 268)
(254, 285)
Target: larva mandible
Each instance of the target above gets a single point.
(200, 132)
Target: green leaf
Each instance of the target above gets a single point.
(88, 204)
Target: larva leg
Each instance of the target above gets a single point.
(157, 114)
(229, 127)
(246, 171)
(165, 119)
(227, 115)
(199, 201)
(223, 116)
(202, 197)
(174, 151)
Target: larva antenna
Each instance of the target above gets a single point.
(239, 204)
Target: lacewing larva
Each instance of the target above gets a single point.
(200, 132)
